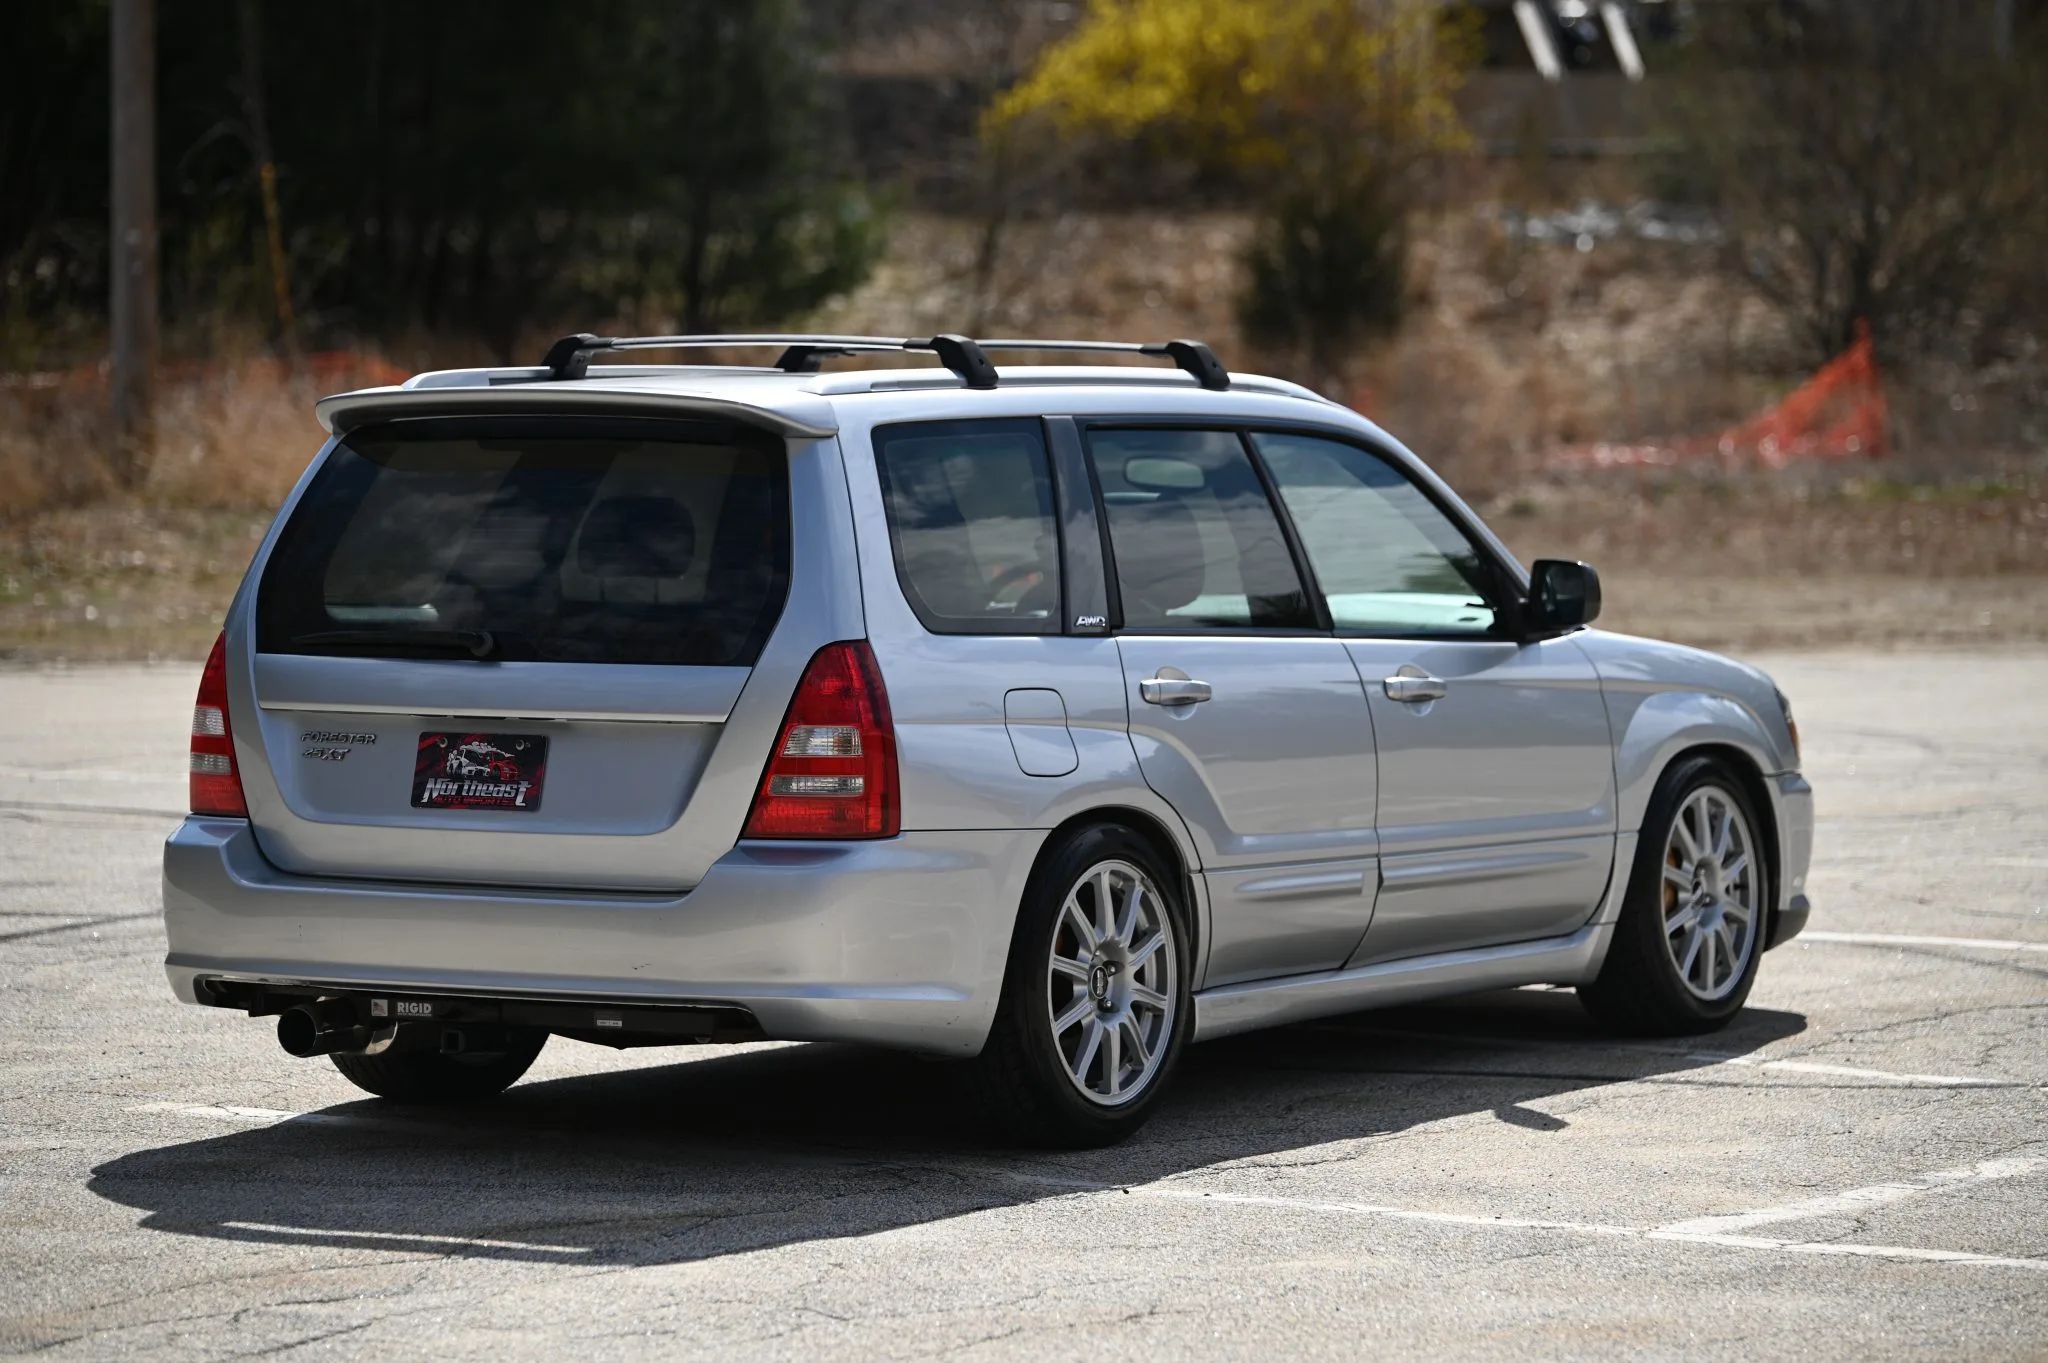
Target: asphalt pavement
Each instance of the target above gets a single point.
(1857, 1167)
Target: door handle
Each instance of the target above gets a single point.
(1413, 687)
(1174, 690)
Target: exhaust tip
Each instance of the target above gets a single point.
(320, 1029)
(298, 1031)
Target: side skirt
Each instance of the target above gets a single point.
(1268, 1003)
(1572, 959)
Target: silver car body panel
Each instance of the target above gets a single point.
(1496, 812)
(1664, 699)
(899, 942)
(1274, 776)
(1572, 958)
(1416, 859)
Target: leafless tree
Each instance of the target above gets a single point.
(1876, 161)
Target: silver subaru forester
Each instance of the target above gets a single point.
(1051, 719)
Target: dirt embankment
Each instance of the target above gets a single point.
(1511, 349)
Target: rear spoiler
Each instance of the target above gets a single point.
(807, 417)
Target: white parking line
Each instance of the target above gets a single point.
(377, 1239)
(1673, 1234)
(1699, 1231)
(246, 1116)
(1897, 939)
(1860, 1199)
(1885, 1078)
(111, 775)
(1879, 1077)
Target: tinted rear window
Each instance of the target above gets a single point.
(567, 539)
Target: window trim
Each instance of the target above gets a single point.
(1502, 590)
(1318, 626)
(879, 436)
(1088, 588)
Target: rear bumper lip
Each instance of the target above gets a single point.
(898, 942)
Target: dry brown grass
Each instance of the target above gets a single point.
(1509, 351)
(1765, 561)
(234, 436)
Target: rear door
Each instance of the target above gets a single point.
(1496, 812)
(1247, 716)
(535, 650)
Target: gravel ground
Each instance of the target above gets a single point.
(1856, 1167)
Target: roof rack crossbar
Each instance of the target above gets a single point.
(569, 358)
(1192, 357)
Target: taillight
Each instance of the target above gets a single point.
(833, 771)
(216, 787)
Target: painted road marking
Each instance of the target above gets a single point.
(1897, 939)
(1685, 1232)
(1878, 1077)
(1856, 1200)
(113, 775)
(1671, 1234)
(246, 1116)
(375, 1239)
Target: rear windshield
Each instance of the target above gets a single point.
(536, 538)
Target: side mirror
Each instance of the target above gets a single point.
(1562, 595)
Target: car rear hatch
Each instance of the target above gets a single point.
(525, 650)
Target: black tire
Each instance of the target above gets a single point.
(1021, 1078)
(431, 1077)
(1639, 991)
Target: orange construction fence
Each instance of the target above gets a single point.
(1839, 413)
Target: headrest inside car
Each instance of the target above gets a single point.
(637, 537)
(1159, 558)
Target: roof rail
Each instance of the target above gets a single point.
(569, 358)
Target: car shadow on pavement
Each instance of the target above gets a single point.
(739, 1152)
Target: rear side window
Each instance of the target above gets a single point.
(1196, 540)
(536, 538)
(971, 524)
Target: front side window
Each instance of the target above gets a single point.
(1197, 543)
(1389, 561)
(539, 539)
(971, 524)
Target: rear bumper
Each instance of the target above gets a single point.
(898, 942)
(1794, 800)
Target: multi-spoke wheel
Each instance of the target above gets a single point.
(1685, 949)
(1110, 982)
(1709, 893)
(1094, 1009)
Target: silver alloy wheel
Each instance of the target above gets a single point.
(1710, 893)
(1110, 983)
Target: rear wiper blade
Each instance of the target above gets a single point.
(477, 643)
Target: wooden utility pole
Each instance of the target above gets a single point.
(254, 114)
(134, 265)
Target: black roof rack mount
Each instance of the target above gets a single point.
(569, 358)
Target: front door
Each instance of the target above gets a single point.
(1496, 775)
(1246, 716)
